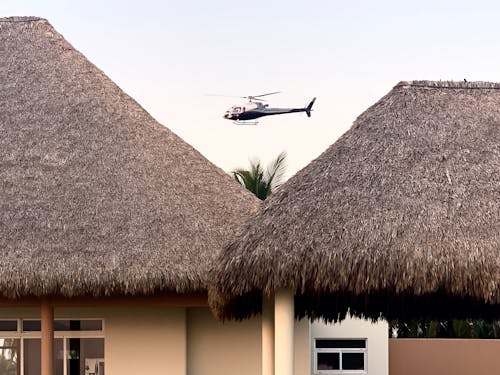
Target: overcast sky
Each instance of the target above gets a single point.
(169, 54)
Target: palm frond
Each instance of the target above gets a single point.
(261, 183)
(276, 170)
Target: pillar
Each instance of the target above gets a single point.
(47, 342)
(267, 336)
(284, 316)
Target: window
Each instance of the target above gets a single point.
(78, 347)
(340, 356)
(9, 356)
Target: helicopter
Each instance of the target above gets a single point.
(254, 109)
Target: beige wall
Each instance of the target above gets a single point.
(137, 340)
(302, 347)
(145, 341)
(215, 348)
(444, 356)
(234, 347)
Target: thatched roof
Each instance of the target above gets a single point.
(400, 216)
(96, 197)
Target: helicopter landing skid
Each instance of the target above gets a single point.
(243, 122)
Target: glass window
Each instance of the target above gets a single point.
(350, 343)
(340, 356)
(328, 361)
(78, 325)
(73, 354)
(31, 325)
(65, 325)
(32, 358)
(9, 357)
(353, 361)
(85, 355)
(8, 325)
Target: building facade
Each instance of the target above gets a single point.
(155, 339)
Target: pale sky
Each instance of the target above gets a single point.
(169, 54)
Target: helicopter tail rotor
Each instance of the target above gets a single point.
(309, 107)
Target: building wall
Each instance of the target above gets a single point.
(221, 348)
(302, 347)
(375, 333)
(161, 340)
(444, 356)
(234, 347)
(137, 340)
(145, 341)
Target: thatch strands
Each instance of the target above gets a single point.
(96, 197)
(399, 217)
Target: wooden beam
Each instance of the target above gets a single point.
(163, 300)
(47, 335)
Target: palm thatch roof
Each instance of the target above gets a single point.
(96, 197)
(399, 217)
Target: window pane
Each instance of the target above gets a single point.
(65, 325)
(58, 357)
(9, 357)
(78, 325)
(31, 325)
(353, 361)
(8, 325)
(328, 361)
(32, 357)
(85, 353)
(326, 343)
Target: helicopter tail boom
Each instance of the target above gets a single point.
(309, 108)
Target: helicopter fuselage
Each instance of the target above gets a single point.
(254, 110)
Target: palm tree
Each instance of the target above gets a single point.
(262, 183)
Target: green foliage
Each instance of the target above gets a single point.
(455, 328)
(259, 181)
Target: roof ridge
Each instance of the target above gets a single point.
(450, 84)
(22, 19)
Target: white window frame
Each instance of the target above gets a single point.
(340, 351)
(64, 335)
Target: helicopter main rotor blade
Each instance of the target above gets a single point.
(249, 97)
(225, 96)
(254, 99)
(271, 93)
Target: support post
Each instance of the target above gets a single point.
(284, 315)
(267, 336)
(47, 335)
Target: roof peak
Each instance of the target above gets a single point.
(22, 19)
(450, 84)
(97, 182)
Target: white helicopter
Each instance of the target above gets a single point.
(244, 114)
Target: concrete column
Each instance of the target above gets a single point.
(47, 342)
(267, 336)
(284, 313)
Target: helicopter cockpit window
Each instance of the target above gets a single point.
(237, 109)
